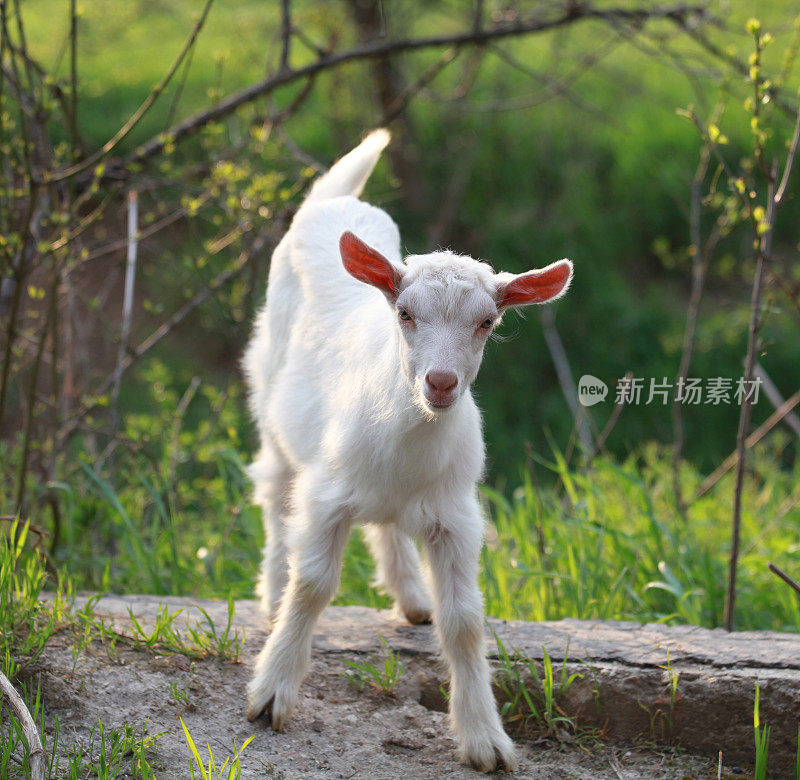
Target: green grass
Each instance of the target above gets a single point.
(14, 746)
(27, 623)
(200, 639)
(371, 672)
(209, 770)
(104, 753)
(111, 752)
(168, 636)
(179, 695)
(532, 692)
(762, 735)
(762, 741)
(613, 546)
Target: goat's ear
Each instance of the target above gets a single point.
(368, 265)
(539, 286)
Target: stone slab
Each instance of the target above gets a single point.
(355, 629)
(627, 668)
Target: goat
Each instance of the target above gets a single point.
(360, 367)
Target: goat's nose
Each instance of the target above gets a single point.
(441, 381)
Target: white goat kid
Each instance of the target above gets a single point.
(360, 369)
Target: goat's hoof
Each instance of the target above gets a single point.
(490, 753)
(255, 711)
(418, 615)
(278, 703)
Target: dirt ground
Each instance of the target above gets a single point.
(337, 730)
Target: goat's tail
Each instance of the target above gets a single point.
(349, 174)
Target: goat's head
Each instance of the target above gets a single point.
(445, 308)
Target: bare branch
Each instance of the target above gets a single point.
(379, 48)
(789, 162)
(775, 397)
(404, 98)
(36, 758)
(764, 244)
(478, 23)
(72, 114)
(785, 577)
(741, 67)
(286, 34)
(556, 87)
(127, 301)
(602, 437)
(173, 322)
(700, 259)
(565, 377)
(136, 117)
(753, 439)
(31, 412)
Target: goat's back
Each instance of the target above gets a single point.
(311, 298)
(328, 290)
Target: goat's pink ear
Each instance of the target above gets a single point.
(539, 286)
(368, 265)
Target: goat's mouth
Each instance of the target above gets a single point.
(439, 401)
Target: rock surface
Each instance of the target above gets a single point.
(339, 731)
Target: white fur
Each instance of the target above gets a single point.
(341, 395)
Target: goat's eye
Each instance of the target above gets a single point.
(487, 324)
(404, 315)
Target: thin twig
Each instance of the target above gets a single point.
(752, 440)
(169, 325)
(786, 288)
(177, 421)
(36, 757)
(41, 533)
(11, 337)
(784, 576)
(380, 48)
(400, 103)
(774, 396)
(556, 87)
(741, 67)
(26, 439)
(127, 300)
(746, 205)
(136, 117)
(789, 162)
(286, 33)
(765, 244)
(477, 24)
(607, 429)
(566, 380)
(73, 77)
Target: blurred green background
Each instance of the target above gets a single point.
(566, 144)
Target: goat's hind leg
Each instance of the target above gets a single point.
(272, 479)
(318, 531)
(399, 570)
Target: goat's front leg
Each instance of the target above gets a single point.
(319, 529)
(453, 549)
